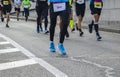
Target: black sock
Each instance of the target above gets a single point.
(96, 26)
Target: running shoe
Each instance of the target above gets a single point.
(2, 19)
(98, 37)
(52, 47)
(46, 31)
(73, 30)
(7, 26)
(81, 34)
(38, 30)
(61, 49)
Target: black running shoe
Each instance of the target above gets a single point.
(73, 30)
(46, 31)
(98, 37)
(81, 34)
(7, 26)
(2, 19)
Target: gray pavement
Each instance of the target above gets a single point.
(30, 57)
(86, 56)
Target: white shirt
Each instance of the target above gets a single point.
(17, 1)
(80, 1)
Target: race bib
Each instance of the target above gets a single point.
(97, 4)
(5, 2)
(26, 6)
(80, 1)
(59, 7)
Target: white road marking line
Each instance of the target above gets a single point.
(15, 64)
(108, 70)
(2, 43)
(56, 72)
(9, 50)
(50, 68)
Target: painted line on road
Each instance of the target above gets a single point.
(10, 50)
(15, 64)
(56, 72)
(2, 43)
(108, 70)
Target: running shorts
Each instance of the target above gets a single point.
(80, 9)
(7, 9)
(95, 10)
(17, 9)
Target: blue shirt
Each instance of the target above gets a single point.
(58, 0)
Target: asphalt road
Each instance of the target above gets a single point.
(25, 53)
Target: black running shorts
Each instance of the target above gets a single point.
(95, 10)
(80, 9)
(17, 9)
(44, 13)
(7, 9)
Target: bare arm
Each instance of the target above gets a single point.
(1, 3)
(11, 2)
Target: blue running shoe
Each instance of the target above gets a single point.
(52, 47)
(61, 49)
(38, 30)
